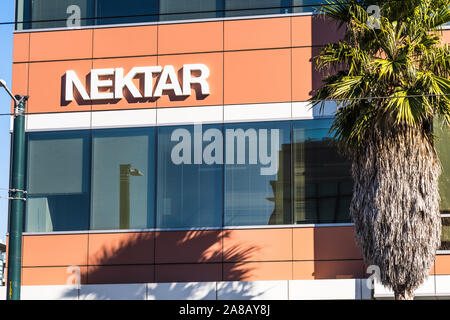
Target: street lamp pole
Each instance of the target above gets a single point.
(17, 197)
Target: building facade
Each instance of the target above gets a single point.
(172, 152)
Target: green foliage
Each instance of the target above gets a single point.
(394, 75)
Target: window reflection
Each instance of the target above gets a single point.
(123, 178)
(322, 178)
(57, 181)
(254, 194)
(189, 193)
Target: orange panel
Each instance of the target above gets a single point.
(258, 245)
(257, 76)
(61, 45)
(19, 80)
(442, 264)
(46, 82)
(335, 243)
(256, 271)
(257, 34)
(121, 248)
(55, 250)
(303, 243)
(188, 272)
(302, 75)
(125, 41)
(214, 61)
(127, 102)
(301, 31)
(188, 246)
(120, 274)
(349, 269)
(50, 276)
(21, 47)
(446, 36)
(190, 37)
(303, 270)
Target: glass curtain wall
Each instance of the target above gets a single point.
(56, 13)
(234, 174)
(58, 181)
(257, 173)
(323, 185)
(190, 176)
(123, 179)
(442, 136)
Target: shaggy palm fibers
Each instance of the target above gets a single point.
(395, 208)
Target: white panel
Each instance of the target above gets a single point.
(252, 290)
(2, 293)
(427, 289)
(443, 286)
(123, 118)
(185, 115)
(304, 110)
(182, 291)
(59, 121)
(113, 292)
(253, 112)
(49, 293)
(324, 289)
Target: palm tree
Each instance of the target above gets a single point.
(390, 77)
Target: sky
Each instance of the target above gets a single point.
(6, 46)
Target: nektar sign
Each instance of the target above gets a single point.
(102, 86)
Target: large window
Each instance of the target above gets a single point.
(190, 176)
(170, 10)
(442, 134)
(129, 11)
(257, 173)
(256, 7)
(58, 181)
(123, 179)
(322, 178)
(56, 13)
(52, 13)
(212, 175)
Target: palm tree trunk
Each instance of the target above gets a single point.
(395, 207)
(404, 296)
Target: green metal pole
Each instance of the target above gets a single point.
(17, 202)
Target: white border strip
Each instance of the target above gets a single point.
(175, 116)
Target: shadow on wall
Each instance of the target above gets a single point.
(181, 256)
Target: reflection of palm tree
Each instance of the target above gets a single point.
(125, 173)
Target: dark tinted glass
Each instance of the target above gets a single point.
(257, 173)
(256, 7)
(123, 178)
(189, 190)
(54, 13)
(129, 11)
(58, 181)
(322, 178)
(192, 9)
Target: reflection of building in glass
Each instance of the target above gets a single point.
(322, 185)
